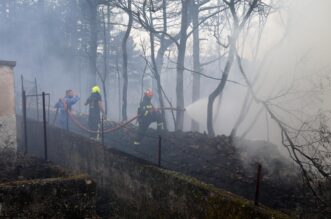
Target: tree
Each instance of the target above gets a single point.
(237, 26)
(180, 64)
(165, 40)
(196, 58)
(103, 77)
(156, 69)
(308, 146)
(93, 41)
(125, 62)
(266, 58)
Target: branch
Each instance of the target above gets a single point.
(293, 150)
(206, 76)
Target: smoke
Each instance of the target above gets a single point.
(296, 42)
(294, 65)
(33, 36)
(299, 65)
(49, 40)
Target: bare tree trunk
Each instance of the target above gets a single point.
(157, 75)
(125, 64)
(118, 88)
(92, 51)
(74, 39)
(218, 34)
(237, 28)
(196, 60)
(219, 89)
(180, 66)
(164, 44)
(105, 61)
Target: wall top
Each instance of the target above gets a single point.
(8, 63)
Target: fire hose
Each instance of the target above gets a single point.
(76, 121)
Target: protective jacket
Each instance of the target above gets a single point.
(146, 107)
(147, 114)
(94, 111)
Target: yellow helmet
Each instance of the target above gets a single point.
(96, 89)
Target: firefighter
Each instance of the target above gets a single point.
(64, 105)
(95, 107)
(146, 115)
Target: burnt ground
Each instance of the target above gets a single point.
(16, 167)
(216, 161)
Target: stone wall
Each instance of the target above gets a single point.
(72, 197)
(33, 188)
(138, 189)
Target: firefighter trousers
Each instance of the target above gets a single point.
(145, 121)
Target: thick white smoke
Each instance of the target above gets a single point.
(296, 42)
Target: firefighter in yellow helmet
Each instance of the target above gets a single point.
(95, 107)
(147, 114)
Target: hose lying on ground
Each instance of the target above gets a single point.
(76, 121)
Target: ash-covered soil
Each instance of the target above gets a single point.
(214, 160)
(14, 167)
(217, 161)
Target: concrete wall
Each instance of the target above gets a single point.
(140, 189)
(7, 105)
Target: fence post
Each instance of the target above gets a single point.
(44, 125)
(102, 133)
(49, 105)
(37, 99)
(67, 119)
(159, 151)
(22, 83)
(258, 180)
(24, 122)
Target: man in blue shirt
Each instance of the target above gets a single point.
(65, 104)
